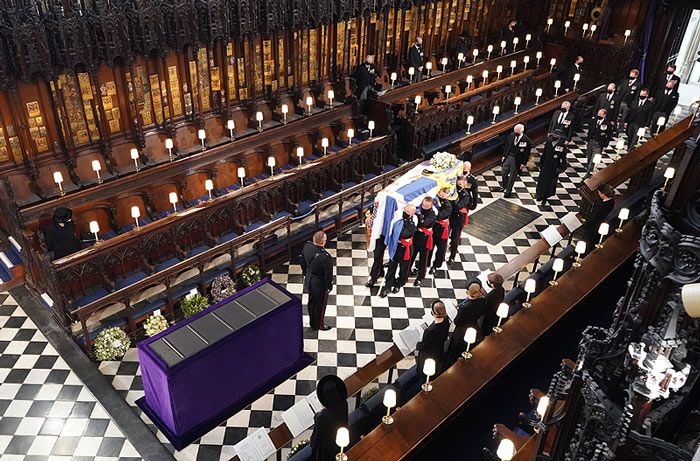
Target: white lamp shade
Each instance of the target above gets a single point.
(528, 37)
(513, 64)
(429, 65)
(604, 228)
(597, 158)
(499, 69)
(567, 24)
(641, 131)
(485, 74)
(690, 296)
(515, 40)
(135, 212)
(558, 265)
(411, 71)
(538, 55)
(271, 162)
(351, 133)
(285, 109)
(553, 61)
(677, 110)
(389, 398)
(448, 89)
(624, 214)
(470, 335)
(593, 28)
(496, 110)
(669, 173)
(475, 52)
(444, 60)
(370, 124)
(550, 21)
(172, 197)
(517, 100)
(530, 286)
(230, 124)
(585, 26)
(581, 247)
(417, 100)
(661, 121)
(538, 92)
(394, 76)
(168, 143)
(620, 144)
(542, 406)
(429, 367)
(94, 227)
(96, 165)
(134, 154)
(489, 48)
(309, 101)
(460, 57)
(470, 119)
(526, 59)
(331, 94)
(577, 77)
(57, 177)
(324, 142)
(503, 44)
(209, 184)
(201, 134)
(628, 33)
(557, 84)
(259, 116)
(505, 450)
(502, 310)
(300, 151)
(342, 437)
(241, 172)
(470, 78)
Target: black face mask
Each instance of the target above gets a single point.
(669, 72)
(611, 91)
(406, 215)
(601, 117)
(642, 97)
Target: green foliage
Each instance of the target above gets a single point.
(193, 304)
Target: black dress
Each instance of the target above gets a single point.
(326, 424)
(493, 299)
(470, 310)
(552, 164)
(432, 345)
(60, 237)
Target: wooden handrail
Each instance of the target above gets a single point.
(504, 81)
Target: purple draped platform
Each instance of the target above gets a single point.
(188, 398)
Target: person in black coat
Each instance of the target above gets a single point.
(60, 236)
(515, 154)
(669, 76)
(567, 75)
(664, 103)
(510, 31)
(333, 395)
(580, 112)
(416, 59)
(600, 210)
(441, 229)
(562, 120)
(432, 344)
(600, 131)
(627, 91)
(317, 267)
(403, 254)
(365, 78)
(463, 46)
(639, 116)
(423, 239)
(493, 299)
(460, 215)
(609, 102)
(469, 312)
(552, 164)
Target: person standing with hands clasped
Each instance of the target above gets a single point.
(552, 164)
(317, 267)
(432, 344)
(515, 155)
(416, 58)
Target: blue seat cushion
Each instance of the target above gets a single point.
(201, 199)
(122, 282)
(181, 290)
(369, 176)
(349, 184)
(165, 264)
(232, 187)
(327, 193)
(281, 214)
(142, 222)
(388, 168)
(211, 274)
(90, 297)
(108, 235)
(197, 250)
(305, 206)
(147, 306)
(288, 166)
(254, 225)
(227, 237)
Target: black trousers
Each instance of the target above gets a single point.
(377, 269)
(456, 227)
(509, 173)
(318, 299)
(440, 246)
(632, 137)
(403, 265)
(421, 254)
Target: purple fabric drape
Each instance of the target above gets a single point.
(648, 29)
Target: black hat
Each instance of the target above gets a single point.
(331, 391)
(62, 215)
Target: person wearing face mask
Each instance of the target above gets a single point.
(627, 93)
(493, 299)
(432, 344)
(365, 78)
(515, 154)
(469, 312)
(441, 229)
(562, 120)
(599, 135)
(567, 75)
(639, 116)
(510, 31)
(416, 59)
(669, 76)
(60, 237)
(423, 239)
(404, 251)
(552, 164)
(608, 101)
(664, 103)
(460, 216)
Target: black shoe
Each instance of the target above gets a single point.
(451, 260)
(395, 289)
(383, 292)
(431, 271)
(414, 272)
(325, 328)
(370, 283)
(507, 195)
(417, 283)
(500, 189)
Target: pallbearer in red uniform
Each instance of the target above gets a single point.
(423, 239)
(402, 257)
(441, 229)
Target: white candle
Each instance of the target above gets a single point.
(241, 175)
(499, 69)
(550, 21)
(516, 101)
(135, 157)
(417, 100)
(567, 24)
(552, 63)
(513, 64)
(172, 198)
(324, 144)
(209, 186)
(351, 134)
(660, 122)
(528, 37)
(489, 50)
(470, 79)
(538, 94)
(309, 103)
(627, 35)
(58, 179)
(136, 214)
(475, 53)
(271, 162)
(538, 55)
(581, 247)
(460, 58)
(370, 126)
(96, 167)
(448, 90)
(169, 145)
(470, 122)
(95, 229)
(411, 71)
(394, 76)
(444, 62)
(542, 406)
(503, 47)
(526, 61)
(259, 118)
(300, 154)
(285, 110)
(485, 76)
(593, 29)
(429, 67)
(331, 96)
(557, 85)
(516, 40)
(202, 135)
(496, 110)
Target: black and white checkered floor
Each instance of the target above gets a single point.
(31, 422)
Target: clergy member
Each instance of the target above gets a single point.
(469, 312)
(432, 345)
(552, 164)
(441, 229)
(515, 154)
(423, 239)
(402, 256)
(333, 395)
(317, 267)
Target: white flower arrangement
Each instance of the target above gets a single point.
(155, 324)
(111, 344)
(443, 161)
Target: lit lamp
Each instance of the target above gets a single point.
(470, 122)
(619, 146)
(389, 402)
(94, 229)
(259, 118)
(460, 58)
(285, 110)
(172, 198)
(489, 50)
(469, 338)
(557, 267)
(640, 135)
(505, 450)
(597, 158)
(515, 43)
(58, 179)
(309, 104)
(417, 100)
(660, 122)
(496, 110)
(530, 287)
(552, 63)
(370, 124)
(202, 135)
(580, 250)
(516, 101)
(538, 55)
(324, 144)
(209, 186)
(241, 175)
(393, 79)
(300, 154)
(411, 71)
(136, 214)
(499, 69)
(135, 157)
(503, 47)
(96, 167)
(538, 95)
(230, 124)
(622, 216)
(593, 29)
(169, 145)
(470, 79)
(567, 24)
(342, 439)
(585, 29)
(331, 96)
(676, 112)
(526, 61)
(429, 67)
(444, 63)
(351, 133)
(513, 63)
(668, 175)
(603, 231)
(528, 37)
(475, 53)
(485, 76)
(627, 35)
(542, 406)
(428, 371)
(271, 163)
(501, 312)
(448, 90)
(550, 21)
(577, 77)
